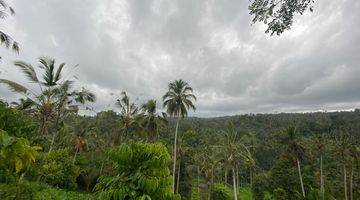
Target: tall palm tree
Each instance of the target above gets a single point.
(342, 142)
(295, 150)
(320, 147)
(177, 101)
(129, 115)
(6, 39)
(233, 152)
(151, 119)
(53, 90)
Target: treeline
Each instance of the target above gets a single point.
(138, 152)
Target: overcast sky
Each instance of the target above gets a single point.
(234, 67)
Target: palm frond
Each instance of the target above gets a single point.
(27, 69)
(13, 86)
(58, 72)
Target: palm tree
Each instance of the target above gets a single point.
(295, 150)
(151, 119)
(177, 101)
(6, 39)
(129, 115)
(320, 147)
(342, 147)
(53, 92)
(355, 160)
(233, 152)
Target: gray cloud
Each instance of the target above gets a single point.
(139, 46)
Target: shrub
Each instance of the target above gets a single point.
(260, 184)
(279, 194)
(141, 172)
(195, 194)
(221, 192)
(21, 191)
(245, 194)
(57, 169)
(268, 196)
(16, 123)
(16, 154)
(38, 191)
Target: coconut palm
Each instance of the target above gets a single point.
(233, 152)
(342, 149)
(53, 91)
(151, 120)
(320, 147)
(295, 150)
(177, 101)
(6, 39)
(129, 115)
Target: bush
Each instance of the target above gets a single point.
(245, 194)
(16, 154)
(38, 191)
(21, 191)
(16, 123)
(260, 184)
(279, 194)
(141, 172)
(221, 192)
(57, 169)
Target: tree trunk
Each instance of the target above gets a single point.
(74, 159)
(351, 182)
(237, 177)
(175, 141)
(300, 177)
(251, 177)
(211, 181)
(225, 176)
(345, 186)
(52, 142)
(322, 187)
(198, 179)
(234, 184)
(178, 177)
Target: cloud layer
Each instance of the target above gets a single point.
(234, 67)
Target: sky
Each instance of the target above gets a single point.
(234, 67)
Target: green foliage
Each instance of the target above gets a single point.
(16, 154)
(57, 169)
(16, 123)
(140, 172)
(195, 194)
(278, 15)
(279, 194)
(260, 184)
(38, 191)
(245, 193)
(222, 192)
(268, 196)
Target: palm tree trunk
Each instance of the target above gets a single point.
(225, 176)
(52, 142)
(74, 159)
(251, 177)
(322, 188)
(211, 181)
(351, 182)
(178, 177)
(237, 177)
(175, 141)
(300, 177)
(198, 179)
(345, 186)
(234, 184)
